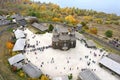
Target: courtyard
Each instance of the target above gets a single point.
(54, 62)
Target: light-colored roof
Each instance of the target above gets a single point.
(16, 59)
(90, 43)
(32, 70)
(88, 75)
(114, 57)
(62, 30)
(60, 78)
(4, 22)
(40, 26)
(19, 45)
(79, 36)
(17, 17)
(111, 64)
(19, 34)
(30, 17)
(2, 17)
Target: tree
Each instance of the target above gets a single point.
(70, 19)
(51, 27)
(109, 33)
(87, 18)
(98, 20)
(43, 77)
(56, 19)
(9, 45)
(83, 23)
(93, 30)
(70, 77)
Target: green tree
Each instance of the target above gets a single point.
(83, 23)
(109, 33)
(70, 77)
(51, 27)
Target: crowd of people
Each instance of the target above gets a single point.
(88, 59)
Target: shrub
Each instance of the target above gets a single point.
(70, 77)
(109, 33)
(51, 27)
(93, 30)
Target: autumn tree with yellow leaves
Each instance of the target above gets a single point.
(71, 19)
(56, 19)
(93, 30)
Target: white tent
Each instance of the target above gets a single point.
(19, 34)
(16, 58)
(19, 45)
(110, 64)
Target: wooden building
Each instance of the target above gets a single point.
(63, 39)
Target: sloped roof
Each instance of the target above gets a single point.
(62, 30)
(2, 17)
(60, 78)
(22, 22)
(16, 58)
(90, 43)
(32, 70)
(88, 75)
(4, 22)
(111, 64)
(79, 36)
(19, 45)
(40, 26)
(64, 37)
(17, 17)
(114, 57)
(19, 34)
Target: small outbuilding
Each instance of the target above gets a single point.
(110, 64)
(90, 44)
(19, 45)
(19, 34)
(4, 22)
(17, 60)
(114, 57)
(19, 19)
(80, 36)
(32, 71)
(40, 27)
(88, 75)
(79, 27)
